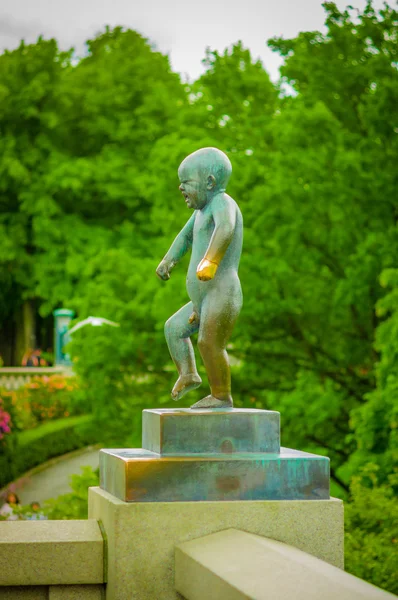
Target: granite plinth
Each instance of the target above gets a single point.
(140, 475)
(142, 536)
(213, 431)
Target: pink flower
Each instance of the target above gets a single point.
(4, 423)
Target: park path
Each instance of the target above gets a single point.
(52, 480)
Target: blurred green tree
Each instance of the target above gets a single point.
(75, 148)
(322, 228)
(234, 100)
(29, 107)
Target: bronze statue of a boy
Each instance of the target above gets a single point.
(214, 233)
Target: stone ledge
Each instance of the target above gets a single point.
(53, 592)
(75, 592)
(237, 565)
(24, 592)
(51, 553)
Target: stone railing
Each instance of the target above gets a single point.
(51, 560)
(170, 550)
(12, 378)
(238, 565)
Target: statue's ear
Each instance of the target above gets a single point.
(211, 182)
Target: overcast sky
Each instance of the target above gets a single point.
(180, 28)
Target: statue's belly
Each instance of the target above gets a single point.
(196, 289)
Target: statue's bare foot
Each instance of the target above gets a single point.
(184, 384)
(212, 402)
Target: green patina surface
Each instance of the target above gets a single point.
(179, 432)
(143, 476)
(215, 455)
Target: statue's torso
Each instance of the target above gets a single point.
(226, 280)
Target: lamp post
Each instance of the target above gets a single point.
(62, 318)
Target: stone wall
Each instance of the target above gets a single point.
(52, 560)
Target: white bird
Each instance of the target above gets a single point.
(95, 321)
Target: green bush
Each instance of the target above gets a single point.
(49, 440)
(68, 506)
(8, 439)
(371, 529)
(8, 451)
(75, 504)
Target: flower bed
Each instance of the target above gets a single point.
(43, 399)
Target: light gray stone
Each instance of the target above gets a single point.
(141, 537)
(238, 565)
(24, 592)
(76, 592)
(50, 552)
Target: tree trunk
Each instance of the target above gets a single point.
(7, 331)
(25, 330)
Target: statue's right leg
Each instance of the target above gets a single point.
(178, 331)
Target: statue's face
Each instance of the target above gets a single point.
(193, 187)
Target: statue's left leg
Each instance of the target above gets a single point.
(218, 317)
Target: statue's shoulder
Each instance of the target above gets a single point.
(231, 202)
(224, 200)
(234, 206)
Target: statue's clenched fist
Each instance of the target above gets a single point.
(163, 270)
(206, 270)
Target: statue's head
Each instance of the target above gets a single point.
(203, 174)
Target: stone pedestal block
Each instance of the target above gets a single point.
(212, 431)
(217, 454)
(140, 475)
(142, 536)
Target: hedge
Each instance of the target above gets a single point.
(7, 453)
(35, 446)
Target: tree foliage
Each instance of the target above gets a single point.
(371, 524)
